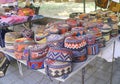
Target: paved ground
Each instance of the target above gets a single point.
(97, 72)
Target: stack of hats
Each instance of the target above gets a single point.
(10, 38)
(114, 31)
(21, 43)
(58, 62)
(78, 46)
(92, 47)
(19, 46)
(106, 30)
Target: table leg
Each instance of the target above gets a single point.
(59, 82)
(30, 24)
(83, 75)
(20, 68)
(112, 63)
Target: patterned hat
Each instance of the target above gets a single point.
(78, 31)
(55, 40)
(55, 68)
(80, 55)
(90, 38)
(63, 28)
(93, 49)
(72, 22)
(27, 33)
(75, 43)
(36, 51)
(100, 42)
(59, 54)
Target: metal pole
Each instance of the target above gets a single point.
(83, 75)
(95, 6)
(112, 62)
(84, 5)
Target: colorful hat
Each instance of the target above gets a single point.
(83, 15)
(106, 30)
(100, 42)
(55, 40)
(96, 31)
(52, 30)
(9, 47)
(20, 45)
(75, 43)
(78, 31)
(55, 68)
(71, 22)
(39, 36)
(79, 55)
(114, 31)
(63, 28)
(93, 49)
(90, 38)
(59, 54)
(36, 51)
(10, 37)
(27, 33)
(35, 63)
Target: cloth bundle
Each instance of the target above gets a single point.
(26, 12)
(114, 6)
(101, 3)
(14, 19)
(6, 1)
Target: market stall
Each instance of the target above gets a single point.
(62, 48)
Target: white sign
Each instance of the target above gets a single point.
(118, 1)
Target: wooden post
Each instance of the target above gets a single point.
(84, 5)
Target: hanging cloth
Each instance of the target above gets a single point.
(114, 6)
(6, 1)
(101, 3)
